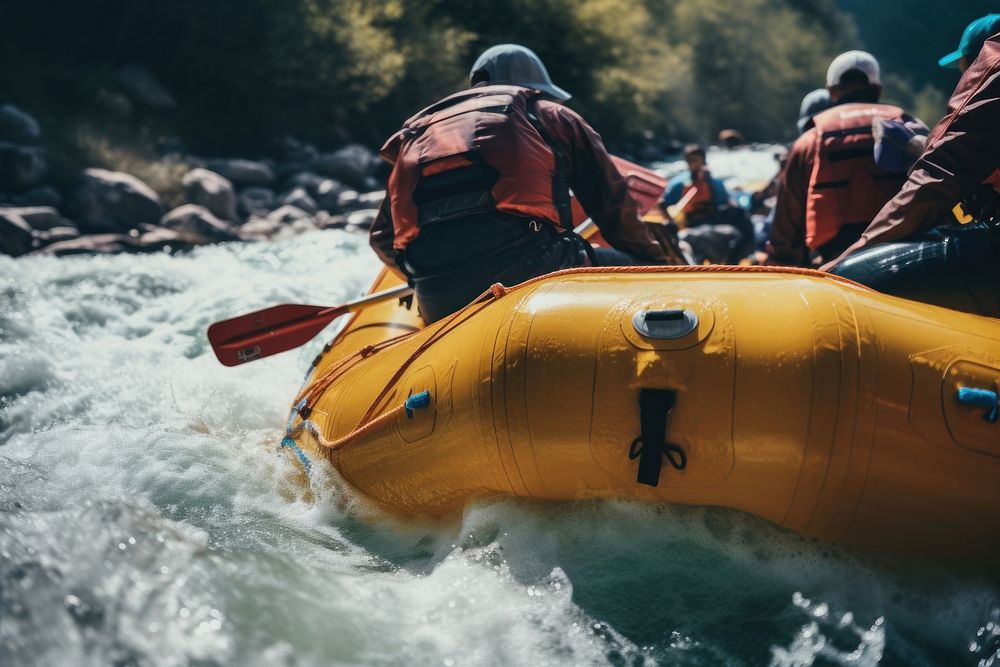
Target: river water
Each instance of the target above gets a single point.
(148, 518)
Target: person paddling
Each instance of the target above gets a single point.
(831, 186)
(960, 160)
(480, 188)
(694, 196)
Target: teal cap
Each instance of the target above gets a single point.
(976, 33)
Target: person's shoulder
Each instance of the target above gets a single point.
(555, 111)
(805, 139)
(804, 144)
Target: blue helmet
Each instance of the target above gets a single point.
(516, 65)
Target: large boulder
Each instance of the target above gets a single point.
(294, 228)
(211, 190)
(258, 229)
(40, 218)
(21, 167)
(18, 126)
(327, 194)
(16, 235)
(43, 195)
(287, 214)
(352, 164)
(111, 201)
(371, 199)
(295, 151)
(324, 191)
(143, 87)
(255, 201)
(324, 221)
(309, 180)
(160, 239)
(92, 244)
(299, 198)
(55, 235)
(197, 225)
(347, 200)
(362, 219)
(243, 173)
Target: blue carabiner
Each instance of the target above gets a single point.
(981, 398)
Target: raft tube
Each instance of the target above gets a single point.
(800, 397)
(956, 267)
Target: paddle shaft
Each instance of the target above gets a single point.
(397, 292)
(679, 206)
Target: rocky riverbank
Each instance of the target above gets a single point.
(224, 199)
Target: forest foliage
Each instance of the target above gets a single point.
(246, 71)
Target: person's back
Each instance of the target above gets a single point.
(959, 160)
(831, 186)
(479, 191)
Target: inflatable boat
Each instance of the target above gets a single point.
(800, 397)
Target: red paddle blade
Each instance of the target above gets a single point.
(270, 331)
(644, 184)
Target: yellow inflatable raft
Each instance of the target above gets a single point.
(797, 396)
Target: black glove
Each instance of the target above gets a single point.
(983, 203)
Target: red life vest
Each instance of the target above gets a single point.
(474, 151)
(847, 187)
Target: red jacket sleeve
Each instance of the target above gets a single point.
(597, 184)
(788, 230)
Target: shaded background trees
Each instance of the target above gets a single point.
(246, 71)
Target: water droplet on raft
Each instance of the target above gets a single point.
(121, 545)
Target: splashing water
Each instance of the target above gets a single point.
(148, 518)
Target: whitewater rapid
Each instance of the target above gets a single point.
(147, 516)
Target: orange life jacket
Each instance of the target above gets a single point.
(475, 151)
(701, 203)
(846, 186)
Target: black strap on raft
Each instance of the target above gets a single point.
(655, 406)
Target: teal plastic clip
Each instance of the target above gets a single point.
(417, 402)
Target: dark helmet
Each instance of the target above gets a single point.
(516, 65)
(813, 103)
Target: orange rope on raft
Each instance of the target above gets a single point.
(495, 291)
(368, 423)
(379, 422)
